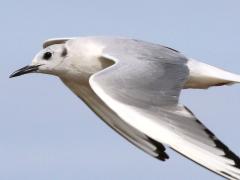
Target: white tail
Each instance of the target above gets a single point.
(202, 76)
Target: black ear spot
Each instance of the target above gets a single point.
(47, 55)
(64, 52)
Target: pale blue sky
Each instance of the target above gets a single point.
(48, 133)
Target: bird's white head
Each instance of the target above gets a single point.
(48, 61)
(51, 59)
(73, 59)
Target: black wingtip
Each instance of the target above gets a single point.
(228, 153)
(162, 155)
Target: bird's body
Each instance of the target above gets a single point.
(134, 86)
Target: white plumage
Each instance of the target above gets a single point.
(134, 86)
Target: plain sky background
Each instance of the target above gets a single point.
(46, 133)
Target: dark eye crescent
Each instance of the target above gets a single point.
(47, 55)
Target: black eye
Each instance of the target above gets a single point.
(47, 55)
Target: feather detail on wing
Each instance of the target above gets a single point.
(139, 139)
(143, 88)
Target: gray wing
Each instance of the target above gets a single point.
(143, 88)
(134, 136)
(147, 73)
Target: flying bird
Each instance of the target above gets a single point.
(134, 87)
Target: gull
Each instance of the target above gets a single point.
(134, 87)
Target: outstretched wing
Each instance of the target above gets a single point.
(134, 136)
(143, 87)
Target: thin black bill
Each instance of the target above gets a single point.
(24, 70)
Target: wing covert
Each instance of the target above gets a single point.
(143, 88)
